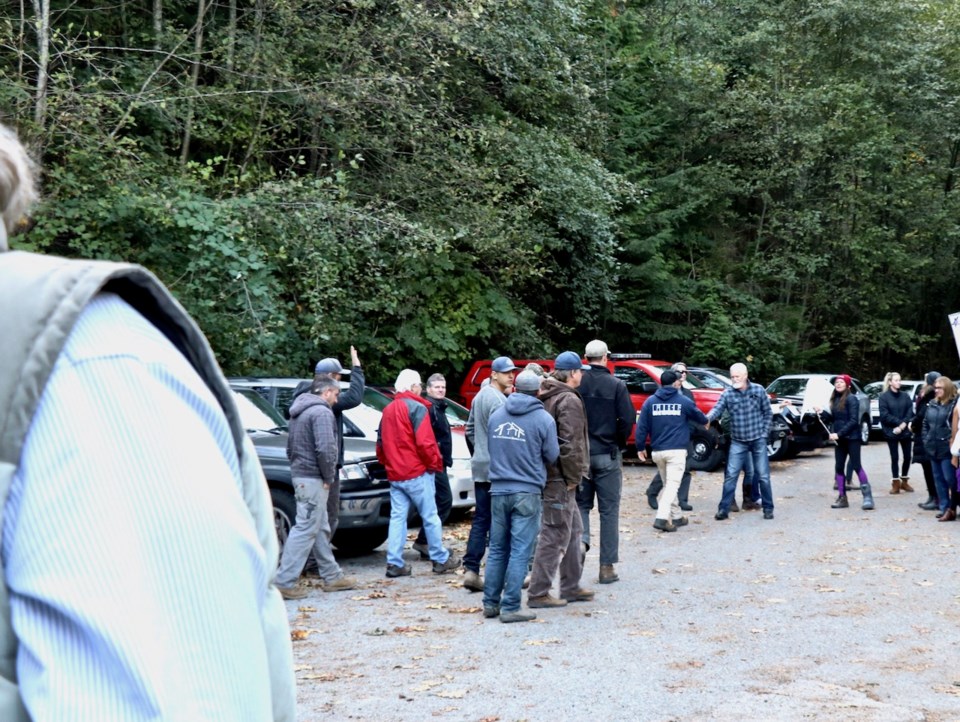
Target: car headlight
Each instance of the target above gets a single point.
(352, 471)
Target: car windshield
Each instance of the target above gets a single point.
(691, 382)
(710, 380)
(788, 387)
(256, 414)
(874, 389)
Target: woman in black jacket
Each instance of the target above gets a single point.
(845, 414)
(919, 453)
(937, 434)
(896, 413)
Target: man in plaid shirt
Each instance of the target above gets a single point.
(749, 411)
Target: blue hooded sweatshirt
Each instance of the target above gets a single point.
(664, 416)
(522, 438)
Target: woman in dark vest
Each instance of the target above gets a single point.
(919, 453)
(937, 434)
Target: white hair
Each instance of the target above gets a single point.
(406, 380)
(738, 368)
(17, 189)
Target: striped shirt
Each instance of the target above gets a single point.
(135, 574)
(750, 412)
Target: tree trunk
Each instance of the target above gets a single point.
(41, 9)
(231, 34)
(194, 81)
(157, 23)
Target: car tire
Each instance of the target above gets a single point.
(864, 431)
(705, 456)
(284, 513)
(778, 450)
(354, 542)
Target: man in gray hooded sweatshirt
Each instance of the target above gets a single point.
(522, 438)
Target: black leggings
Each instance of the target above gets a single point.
(907, 446)
(847, 447)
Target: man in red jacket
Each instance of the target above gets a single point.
(408, 449)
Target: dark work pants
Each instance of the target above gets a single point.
(480, 529)
(444, 499)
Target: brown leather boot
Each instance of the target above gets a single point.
(895, 486)
(948, 515)
(905, 484)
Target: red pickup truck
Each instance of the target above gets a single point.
(642, 376)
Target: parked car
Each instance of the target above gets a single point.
(711, 377)
(364, 489)
(360, 426)
(798, 429)
(875, 388)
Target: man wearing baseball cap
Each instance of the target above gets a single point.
(562, 527)
(490, 398)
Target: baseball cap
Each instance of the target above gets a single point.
(669, 378)
(596, 349)
(329, 366)
(501, 364)
(569, 361)
(527, 381)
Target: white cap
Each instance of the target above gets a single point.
(407, 379)
(596, 349)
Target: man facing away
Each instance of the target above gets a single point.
(312, 449)
(559, 542)
(408, 449)
(610, 419)
(490, 398)
(436, 395)
(522, 440)
(750, 414)
(138, 546)
(665, 416)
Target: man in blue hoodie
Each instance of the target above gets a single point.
(522, 439)
(665, 417)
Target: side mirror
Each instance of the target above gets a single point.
(649, 387)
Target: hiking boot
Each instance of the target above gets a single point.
(682, 521)
(292, 592)
(721, 516)
(424, 551)
(491, 612)
(608, 575)
(905, 484)
(472, 581)
(545, 602)
(452, 564)
(768, 515)
(340, 585)
(580, 595)
(750, 506)
(733, 506)
(518, 616)
(664, 525)
(394, 571)
(840, 503)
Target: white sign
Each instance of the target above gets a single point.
(955, 327)
(816, 394)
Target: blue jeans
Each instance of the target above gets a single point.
(606, 483)
(944, 477)
(480, 529)
(514, 525)
(420, 492)
(737, 456)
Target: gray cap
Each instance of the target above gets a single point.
(502, 364)
(329, 366)
(596, 349)
(931, 377)
(527, 381)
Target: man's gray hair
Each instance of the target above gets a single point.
(436, 378)
(17, 189)
(738, 368)
(322, 382)
(679, 365)
(563, 375)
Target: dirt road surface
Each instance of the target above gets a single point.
(818, 614)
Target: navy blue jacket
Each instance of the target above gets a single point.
(522, 439)
(846, 419)
(665, 416)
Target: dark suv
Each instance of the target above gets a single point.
(364, 489)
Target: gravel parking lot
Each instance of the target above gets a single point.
(818, 614)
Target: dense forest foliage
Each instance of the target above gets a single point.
(438, 181)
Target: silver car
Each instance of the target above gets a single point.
(875, 388)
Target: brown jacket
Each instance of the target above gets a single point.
(566, 407)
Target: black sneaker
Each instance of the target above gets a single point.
(652, 501)
(491, 612)
(721, 515)
(685, 506)
(768, 514)
(664, 525)
(394, 571)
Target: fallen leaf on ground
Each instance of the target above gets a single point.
(464, 610)
(456, 694)
(541, 642)
(298, 635)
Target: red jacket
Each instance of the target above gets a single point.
(406, 445)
